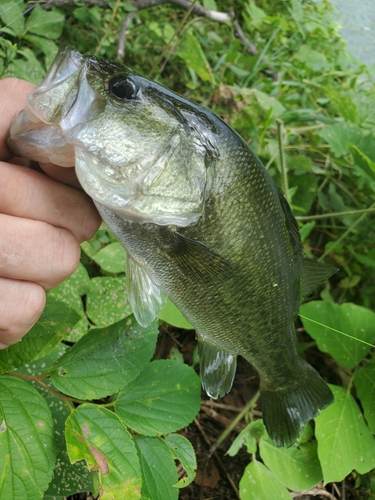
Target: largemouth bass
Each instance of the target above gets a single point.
(202, 222)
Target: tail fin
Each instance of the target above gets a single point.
(286, 410)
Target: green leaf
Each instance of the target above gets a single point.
(173, 316)
(48, 47)
(158, 469)
(107, 300)
(307, 188)
(54, 324)
(313, 59)
(297, 467)
(183, 451)
(163, 399)
(111, 258)
(46, 23)
(194, 57)
(258, 483)
(343, 104)
(344, 441)
(96, 435)
(27, 457)
(11, 13)
(103, 361)
(363, 161)
(248, 437)
(348, 318)
(268, 102)
(27, 67)
(364, 381)
(70, 292)
(340, 135)
(68, 478)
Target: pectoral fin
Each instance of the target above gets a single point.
(217, 369)
(196, 260)
(313, 275)
(144, 295)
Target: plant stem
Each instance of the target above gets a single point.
(335, 214)
(284, 172)
(248, 407)
(349, 230)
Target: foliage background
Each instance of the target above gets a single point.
(324, 101)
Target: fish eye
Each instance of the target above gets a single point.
(123, 87)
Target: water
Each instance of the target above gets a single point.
(357, 21)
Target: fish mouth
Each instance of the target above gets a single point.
(61, 101)
(64, 96)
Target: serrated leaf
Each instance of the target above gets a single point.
(258, 483)
(68, 478)
(70, 292)
(158, 469)
(356, 321)
(107, 300)
(364, 381)
(111, 258)
(363, 161)
(27, 457)
(53, 326)
(11, 13)
(104, 360)
(173, 316)
(340, 135)
(194, 57)
(183, 451)
(46, 23)
(297, 467)
(96, 435)
(163, 399)
(344, 441)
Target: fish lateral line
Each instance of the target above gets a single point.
(337, 331)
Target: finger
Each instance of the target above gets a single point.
(21, 304)
(62, 174)
(13, 99)
(36, 251)
(28, 194)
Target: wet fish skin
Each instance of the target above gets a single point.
(201, 219)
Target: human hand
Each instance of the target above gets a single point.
(43, 219)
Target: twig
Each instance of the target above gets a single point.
(218, 460)
(241, 36)
(250, 405)
(221, 419)
(121, 41)
(314, 492)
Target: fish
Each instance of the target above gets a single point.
(202, 221)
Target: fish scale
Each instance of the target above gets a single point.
(202, 222)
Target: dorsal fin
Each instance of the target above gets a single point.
(217, 369)
(313, 275)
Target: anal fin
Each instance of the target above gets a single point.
(144, 295)
(217, 369)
